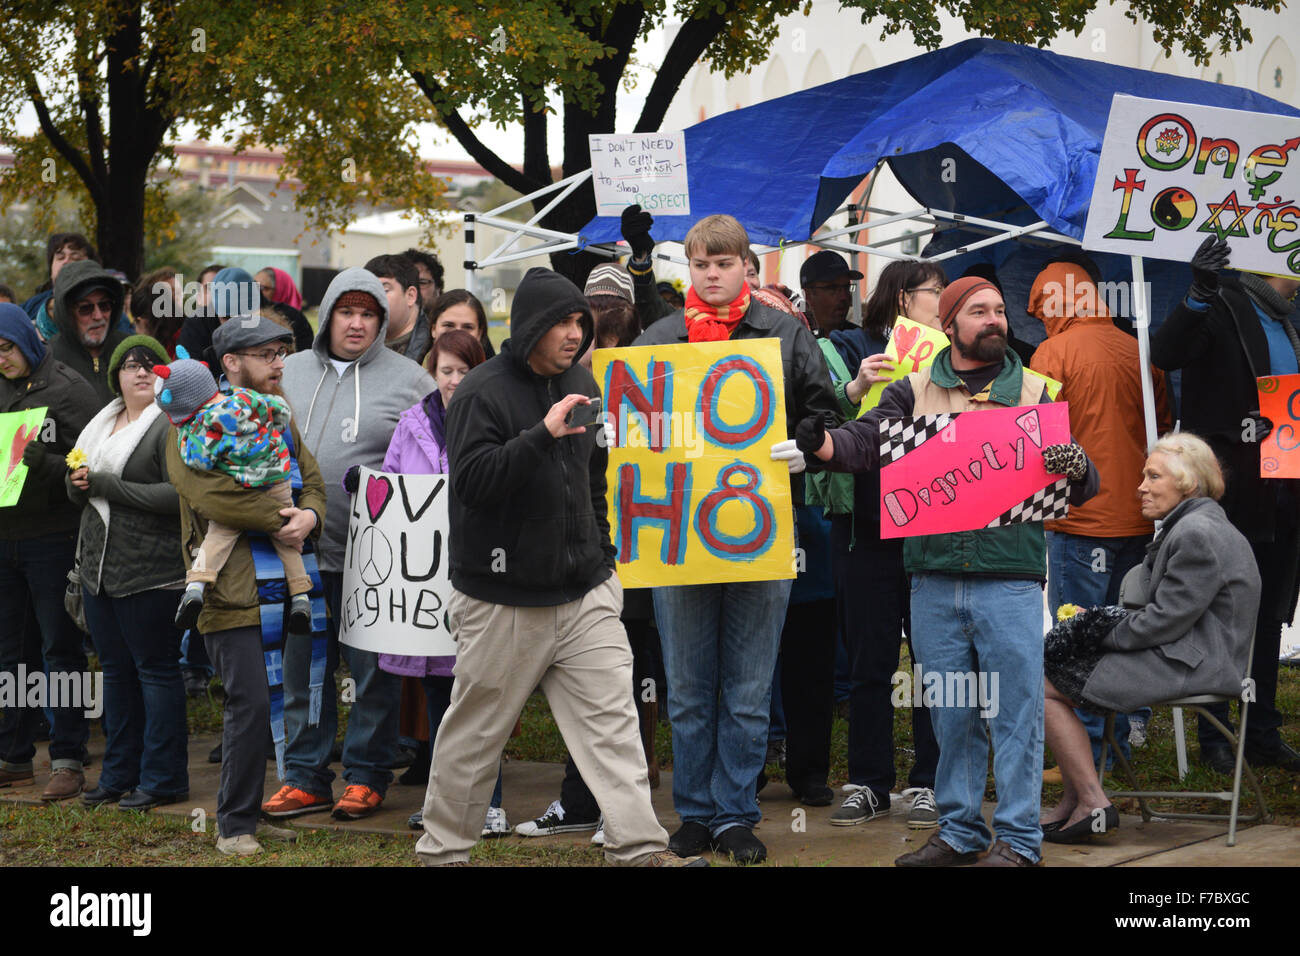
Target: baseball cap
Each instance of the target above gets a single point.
(824, 266)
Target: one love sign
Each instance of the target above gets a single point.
(969, 470)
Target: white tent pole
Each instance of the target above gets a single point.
(1142, 322)
(471, 266)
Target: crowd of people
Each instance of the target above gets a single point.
(187, 500)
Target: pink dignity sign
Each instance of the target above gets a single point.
(969, 470)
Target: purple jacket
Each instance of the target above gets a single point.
(415, 450)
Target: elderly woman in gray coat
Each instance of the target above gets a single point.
(1192, 636)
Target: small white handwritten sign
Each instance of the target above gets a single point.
(646, 169)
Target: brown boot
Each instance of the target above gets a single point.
(648, 715)
(64, 783)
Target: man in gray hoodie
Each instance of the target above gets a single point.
(346, 395)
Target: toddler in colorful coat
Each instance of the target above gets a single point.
(240, 433)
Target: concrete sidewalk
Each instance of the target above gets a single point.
(795, 835)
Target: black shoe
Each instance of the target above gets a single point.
(1219, 758)
(1279, 755)
(815, 795)
(300, 614)
(214, 755)
(417, 775)
(187, 615)
(404, 757)
(98, 796)
(196, 682)
(741, 845)
(1085, 829)
(144, 800)
(691, 840)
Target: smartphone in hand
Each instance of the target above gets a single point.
(583, 415)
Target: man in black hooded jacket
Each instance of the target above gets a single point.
(535, 599)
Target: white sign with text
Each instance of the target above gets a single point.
(1171, 174)
(645, 169)
(395, 570)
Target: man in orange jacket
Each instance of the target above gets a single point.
(1090, 551)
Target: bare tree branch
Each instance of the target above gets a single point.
(481, 154)
(689, 44)
(59, 141)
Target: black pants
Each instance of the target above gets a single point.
(807, 691)
(1277, 563)
(875, 610)
(238, 658)
(36, 633)
(578, 802)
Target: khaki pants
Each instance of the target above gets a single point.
(579, 654)
(220, 540)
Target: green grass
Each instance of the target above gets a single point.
(68, 835)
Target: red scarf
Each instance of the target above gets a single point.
(713, 323)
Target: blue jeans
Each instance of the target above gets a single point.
(36, 631)
(1087, 572)
(719, 645)
(144, 695)
(993, 627)
(370, 744)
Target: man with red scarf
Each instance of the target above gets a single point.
(720, 640)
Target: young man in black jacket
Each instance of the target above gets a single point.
(535, 600)
(38, 541)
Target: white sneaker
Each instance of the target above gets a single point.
(243, 845)
(924, 814)
(268, 832)
(552, 821)
(496, 824)
(598, 838)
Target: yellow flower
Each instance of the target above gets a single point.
(1067, 611)
(76, 459)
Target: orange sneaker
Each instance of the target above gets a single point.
(358, 801)
(292, 802)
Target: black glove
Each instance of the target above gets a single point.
(1206, 263)
(636, 230)
(352, 479)
(1263, 426)
(33, 454)
(1068, 460)
(810, 434)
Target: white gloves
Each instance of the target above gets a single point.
(787, 452)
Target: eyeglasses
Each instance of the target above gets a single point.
(131, 368)
(268, 355)
(933, 290)
(85, 310)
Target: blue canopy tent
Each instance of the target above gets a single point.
(994, 141)
(1028, 124)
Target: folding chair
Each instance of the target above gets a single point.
(1133, 588)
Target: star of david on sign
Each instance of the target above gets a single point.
(1230, 204)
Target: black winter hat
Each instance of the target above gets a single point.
(543, 299)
